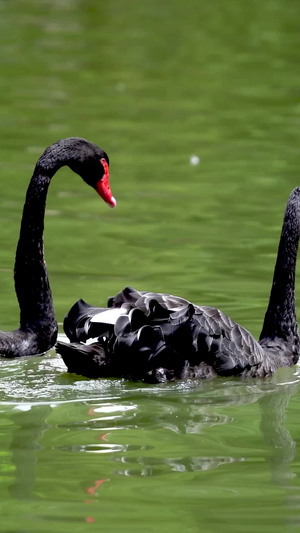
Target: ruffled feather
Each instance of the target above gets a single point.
(159, 337)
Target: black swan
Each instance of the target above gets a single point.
(38, 328)
(157, 337)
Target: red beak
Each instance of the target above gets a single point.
(103, 187)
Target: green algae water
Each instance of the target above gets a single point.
(197, 105)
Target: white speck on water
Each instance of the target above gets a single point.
(194, 160)
(120, 87)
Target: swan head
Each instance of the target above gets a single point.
(83, 157)
(92, 164)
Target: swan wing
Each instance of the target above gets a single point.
(225, 345)
(144, 331)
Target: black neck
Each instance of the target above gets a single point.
(280, 318)
(31, 278)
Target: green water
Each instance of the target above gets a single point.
(153, 83)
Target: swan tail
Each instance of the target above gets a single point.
(87, 360)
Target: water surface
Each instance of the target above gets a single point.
(154, 84)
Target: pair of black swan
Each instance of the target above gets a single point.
(143, 335)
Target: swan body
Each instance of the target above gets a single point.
(156, 337)
(38, 328)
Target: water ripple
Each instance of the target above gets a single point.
(44, 380)
(149, 466)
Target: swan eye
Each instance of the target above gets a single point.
(105, 166)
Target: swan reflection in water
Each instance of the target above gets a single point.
(277, 438)
(198, 409)
(202, 412)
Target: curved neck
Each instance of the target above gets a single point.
(31, 278)
(280, 318)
